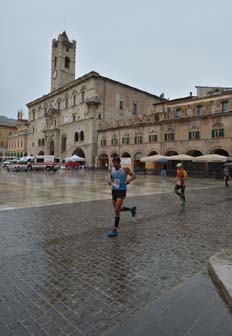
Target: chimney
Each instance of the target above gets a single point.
(190, 94)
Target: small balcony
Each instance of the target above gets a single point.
(95, 100)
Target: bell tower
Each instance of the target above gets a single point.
(63, 61)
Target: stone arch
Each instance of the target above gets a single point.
(194, 168)
(103, 161)
(215, 168)
(126, 155)
(194, 152)
(41, 153)
(113, 154)
(78, 151)
(138, 165)
(152, 153)
(220, 151)
(170, 152)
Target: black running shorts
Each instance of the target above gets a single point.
(118, 194)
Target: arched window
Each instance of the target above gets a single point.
(76, 137)
(81, 136)
(39, 142)
(67, 62)
(42, 142)
(55, 61)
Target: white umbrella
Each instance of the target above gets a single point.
(181, 157)
(75, 158)
(211, 158)
(154, 158)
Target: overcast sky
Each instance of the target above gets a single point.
(158, 46)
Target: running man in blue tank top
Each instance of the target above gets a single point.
(119, 178)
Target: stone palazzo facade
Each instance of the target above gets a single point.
(97, 117)
(193, 125)
(66, 121)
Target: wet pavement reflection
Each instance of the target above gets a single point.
(29, 189)
(61, 275)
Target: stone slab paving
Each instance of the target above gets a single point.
(220, 267)
(192, 309)
(61, 275)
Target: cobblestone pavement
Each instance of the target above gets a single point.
(61, 275)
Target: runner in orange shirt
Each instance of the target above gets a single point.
(181, 176)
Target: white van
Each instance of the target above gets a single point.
(44, 162)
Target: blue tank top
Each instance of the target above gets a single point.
(119, 179)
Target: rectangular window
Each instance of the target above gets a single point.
(152, 137)
(74, 118)
(121, 104)
(178, 112)
(213, 108)
(83, 96)
(134, 109)
(217, 133)
(103, 142)
(58, 106)
(221, 132)
(194, 135)
(126, 141)
(200, 110)
(74, 100)
(66, 103)
(225, 106)
(114, 141)
(169, 137)
(138, 139)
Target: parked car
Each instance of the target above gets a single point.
(12, 165)
(5, 163)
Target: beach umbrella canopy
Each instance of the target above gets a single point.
(211, 158)
(154, 158)
(181, 157)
